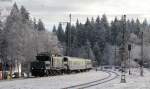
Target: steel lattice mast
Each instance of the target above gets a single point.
(123, 50)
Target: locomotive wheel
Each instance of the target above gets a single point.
(69, 71)
(55, 73)
(62, 72)
(59, 72)
(47, 73)
(51, 73)
(66, 69)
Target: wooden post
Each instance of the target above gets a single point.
(10, 71)
(1, 72)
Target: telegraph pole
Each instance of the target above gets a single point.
(123, 51)
(69, 35)
(70, 16)
(115, 57)
(141, 66)
(68, 48)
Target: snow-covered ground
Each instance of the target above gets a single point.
(53, 82)
(134, 81)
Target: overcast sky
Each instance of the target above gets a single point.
(55, 11)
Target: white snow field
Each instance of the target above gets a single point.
(134, 81)
(53, 82)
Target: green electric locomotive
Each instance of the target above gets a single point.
(47, 64)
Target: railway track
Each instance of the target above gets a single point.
(94, 83)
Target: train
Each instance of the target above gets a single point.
(49, 65)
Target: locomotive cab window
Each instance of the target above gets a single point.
(47, 64)
(43, 58)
